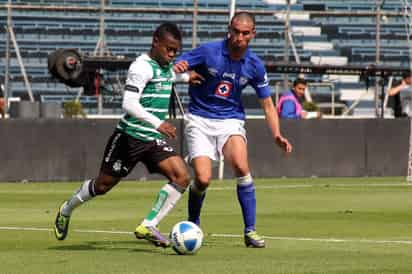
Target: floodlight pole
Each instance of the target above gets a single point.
(286, 49)
(378, 54)
(194, 25)
(7, 59)
(101, 45)
(232, 9)
(12, 37)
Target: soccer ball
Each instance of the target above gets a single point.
(186, 238)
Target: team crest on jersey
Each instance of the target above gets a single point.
(223, 89)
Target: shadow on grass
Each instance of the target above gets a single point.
(131, 246)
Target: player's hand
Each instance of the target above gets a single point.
(195, 78)
(283, 143)
(181, 66)
(167, 129)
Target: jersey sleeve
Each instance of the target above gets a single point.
(139, 74)
(260, 82)
(194, 57)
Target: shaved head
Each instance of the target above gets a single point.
(243, 16)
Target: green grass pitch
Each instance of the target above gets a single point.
(353, 225)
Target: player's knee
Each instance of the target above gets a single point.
(101, 189)
(182, 179)
(203, 181)
(241, 170)
(102, 186)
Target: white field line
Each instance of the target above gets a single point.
(325, 240)
(281, 186)
(217, 235)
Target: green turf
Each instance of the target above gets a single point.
(363, 211)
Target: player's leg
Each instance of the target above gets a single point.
(202, 151)
(235, 152)
(202, 167)
(87, 191)
(174, 168)
(110, 174)
(162, 159)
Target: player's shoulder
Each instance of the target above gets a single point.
(142, 62)
(254, 64)
(253, 58)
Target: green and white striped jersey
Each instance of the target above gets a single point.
(154, 84)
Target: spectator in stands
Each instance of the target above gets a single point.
(290, 102)
(215, 122)
(2, 103)
(402, 94)
(140, 136)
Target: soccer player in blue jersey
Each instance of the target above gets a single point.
(215, 122)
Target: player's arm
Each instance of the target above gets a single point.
(261, 85)
(139, 75)
(396, 89)
(190, 59)
(272, 120)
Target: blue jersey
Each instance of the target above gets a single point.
(219, 96)
(288, 109)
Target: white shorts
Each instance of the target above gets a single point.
(206, 137)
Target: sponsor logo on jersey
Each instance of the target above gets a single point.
(168, 148)
(212, 71)
(229, 75)
(243, 80)
(223, 89)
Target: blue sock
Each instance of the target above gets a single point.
(247, 199)
(195, 205)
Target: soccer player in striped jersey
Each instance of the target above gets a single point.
(215, 122)
(140, 137)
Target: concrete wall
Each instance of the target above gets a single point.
(63, 149)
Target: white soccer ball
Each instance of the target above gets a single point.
(186, 238)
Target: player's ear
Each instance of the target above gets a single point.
(254, 32)
(155, 41)
(228, 32)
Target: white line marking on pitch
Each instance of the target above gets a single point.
(216, 235)
(326, 240)
(325, 185)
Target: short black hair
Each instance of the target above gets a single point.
(300, 81)
(243, 14)
(406, 74)
(168, 28)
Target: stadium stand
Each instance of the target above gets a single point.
(319, 38)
